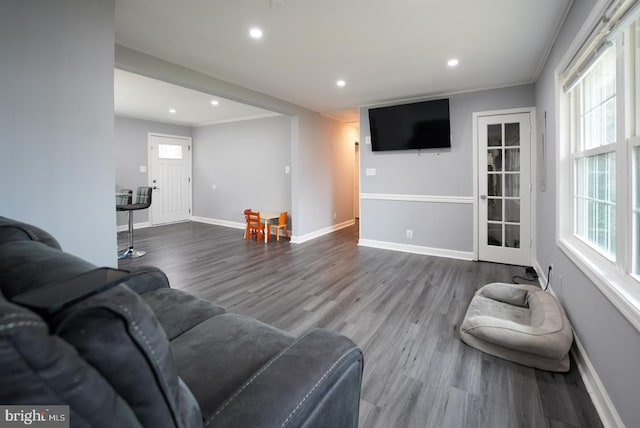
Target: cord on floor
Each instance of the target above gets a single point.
(530, 276)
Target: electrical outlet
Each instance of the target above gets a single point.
(335, 215)
(409, 234)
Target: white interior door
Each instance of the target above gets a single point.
(504, 188)
(170, 178)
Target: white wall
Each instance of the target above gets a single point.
(611, 342)
(57, 167)
(246, 161)
(435, 172)
(131, 147)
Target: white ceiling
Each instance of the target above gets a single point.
(144, 98)
(385, 50)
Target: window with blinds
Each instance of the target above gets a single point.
(599, 174)
(594, 154)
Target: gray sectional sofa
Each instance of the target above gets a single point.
(126, 350)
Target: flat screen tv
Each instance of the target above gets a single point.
(423, 125)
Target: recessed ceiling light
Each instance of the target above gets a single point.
(214, 102)
(341, 83)
(256, 33)
(172, 110)
(452, 62)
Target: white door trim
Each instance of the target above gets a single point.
(533, 172)
(150, 172)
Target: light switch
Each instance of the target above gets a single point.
(213, 187)
(371, 171)
(287, 169)
(143, 168)
(367, 139)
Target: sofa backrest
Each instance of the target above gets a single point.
(39, 368)
(29, 265)
(117, 334)
(12, 230)
(107, 347)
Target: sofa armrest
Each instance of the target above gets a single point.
(314, 382)
(146, 278)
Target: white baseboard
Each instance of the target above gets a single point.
(416, 249)
(125, 227)
(601, 401)
(225, 223)
(316, 234)
(542, 278)
(293, 240)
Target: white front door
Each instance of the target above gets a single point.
(504, 188)
(170, 178)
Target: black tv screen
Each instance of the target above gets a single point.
(423, 125)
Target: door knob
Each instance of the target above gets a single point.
(483, 196)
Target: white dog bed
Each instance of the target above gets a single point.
(520, 323)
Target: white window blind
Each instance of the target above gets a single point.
(596, 44)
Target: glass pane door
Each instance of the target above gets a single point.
(504, 188)
(503, 185)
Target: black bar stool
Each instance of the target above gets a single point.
(143, 201)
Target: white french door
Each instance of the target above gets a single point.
(170, 178)
(504, 188)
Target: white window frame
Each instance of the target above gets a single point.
(579, 152)
(614, 278)
(633, 143)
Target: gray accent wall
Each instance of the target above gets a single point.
(610, 341)
(447, 226)
(433, 172)
(246, 162)
(131, 148)
(57, 166)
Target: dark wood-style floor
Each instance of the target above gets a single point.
(403, 310)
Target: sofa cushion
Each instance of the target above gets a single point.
(316, 379)
(116, 333)
(143, 279)
(178, 311)
(40, 369)
(217, 356)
